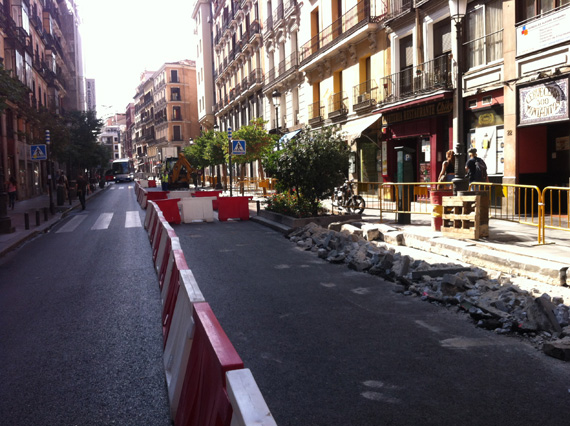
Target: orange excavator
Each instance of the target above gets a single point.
(179, 171)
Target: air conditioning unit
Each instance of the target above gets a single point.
(362, 98)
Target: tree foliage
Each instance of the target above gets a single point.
(11, 90)
(311, 164)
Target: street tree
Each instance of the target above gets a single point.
(259, 144)
(208, 150)
(311, 165)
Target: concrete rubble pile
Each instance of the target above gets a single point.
(493, 303)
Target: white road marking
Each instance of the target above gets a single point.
(72, 224)
(133, 220)
(103, 221)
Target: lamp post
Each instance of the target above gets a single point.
(457, 10)
(276, 95)
(218, 183)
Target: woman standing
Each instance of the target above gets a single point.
(447, 173)
(12, 189)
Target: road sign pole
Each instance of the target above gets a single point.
(49, 172)
(230, 146)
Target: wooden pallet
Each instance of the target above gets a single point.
(465, 216)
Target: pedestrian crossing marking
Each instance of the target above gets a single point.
(72, 224)
(103, 221)
(133, 220)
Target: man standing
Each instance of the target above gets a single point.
(81, 189)
(476, 167)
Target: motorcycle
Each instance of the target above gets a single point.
(344, 198)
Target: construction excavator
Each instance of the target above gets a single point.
(179, 171)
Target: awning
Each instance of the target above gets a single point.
(353, 129)
(287, 137)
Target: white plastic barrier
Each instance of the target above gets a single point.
(180, 194)
(175, 250)
(150, 215)
(249, 407)
(179, 342)
(192, 209)
(164, 246)
(144, 183)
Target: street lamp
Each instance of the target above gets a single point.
(218, 183)
(457, 10)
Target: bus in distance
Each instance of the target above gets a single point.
(123, 170)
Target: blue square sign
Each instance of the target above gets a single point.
(38, 152)
(238, 147)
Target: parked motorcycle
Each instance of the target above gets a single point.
(344, 198)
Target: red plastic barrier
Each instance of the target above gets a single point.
(173, 287)
(203, 398)
(209, 194)
(156, 195)
(436, 198)
(152, 184)
(169, 208)
(233, 208)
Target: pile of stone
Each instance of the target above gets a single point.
(493, 303)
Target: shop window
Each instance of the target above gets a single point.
(484, 33)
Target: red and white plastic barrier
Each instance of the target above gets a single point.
(249, 407)
(179, 342)
(203, 397)
(207, 384)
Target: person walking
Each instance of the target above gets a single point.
(476, 168)
(12, 191)
(447, 173)
(81, 190)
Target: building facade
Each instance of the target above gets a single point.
(39, 46)
(166, 114)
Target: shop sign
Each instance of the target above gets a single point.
(487, 119)
(544, 103)
(543, 32)
(424, 111)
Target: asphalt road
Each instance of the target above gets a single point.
(330, 346)
(80, 333)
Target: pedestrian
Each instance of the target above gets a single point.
(12, 191)
(476, 168)
(164, 181)
(447, 173)
(81, 190)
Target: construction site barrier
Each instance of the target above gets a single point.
(194, 209)
(169, 208)
(233, 208)
(152, 183)
(171, 287)
(555, 208)
(215, 194)
(197, 353)
(179, 342)
(143, 183)
(203, 398)
(249, 407)
(180, 194)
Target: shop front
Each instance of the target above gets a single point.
(423, 130)
(543, 134)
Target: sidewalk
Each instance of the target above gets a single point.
(9, 242)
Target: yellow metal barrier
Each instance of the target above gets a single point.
(556, 208)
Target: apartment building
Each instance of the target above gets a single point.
(284, 82)
(344, 56)
(166, 114)
(129, 129)
(202, 16)
(40, 46)
(238, 62)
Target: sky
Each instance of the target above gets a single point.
(123, 38)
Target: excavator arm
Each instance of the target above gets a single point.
(182, 163)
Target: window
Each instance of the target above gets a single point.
(176, 133)
(174, 76)
(442, 38)
(175, 94)
(176, 113)
(484, 33)
(531, 8)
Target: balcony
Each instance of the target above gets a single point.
(285, 68)
(255, 77)
(316, 113)
(338, 105)
(428, 77)
(365, 96)
(357, 17)
(395, 8)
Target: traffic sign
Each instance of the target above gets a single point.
(238, 147)
(38, 152)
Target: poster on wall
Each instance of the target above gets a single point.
(485, 140)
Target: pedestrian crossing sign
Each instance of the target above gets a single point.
(38, 152)
(238, 147)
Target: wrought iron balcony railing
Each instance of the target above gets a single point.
(365, 95)
(338, 105)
